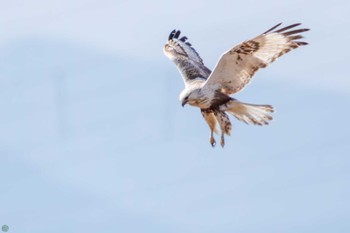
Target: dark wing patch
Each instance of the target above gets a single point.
(219, 99)
(247, 47)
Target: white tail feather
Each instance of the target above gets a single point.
(249, 113)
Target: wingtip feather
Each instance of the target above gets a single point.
(171, 35)
(272, 28)
(177, 34)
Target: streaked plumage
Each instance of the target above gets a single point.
(210, 91)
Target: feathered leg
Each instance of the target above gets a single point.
(225, 125)
(209, 117)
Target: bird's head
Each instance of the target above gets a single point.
(189, 96)
(184, 100)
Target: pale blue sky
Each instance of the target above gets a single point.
(93, 138)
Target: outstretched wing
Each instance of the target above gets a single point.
(237, 66)
(186, 58)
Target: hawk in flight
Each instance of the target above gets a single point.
(210, 90)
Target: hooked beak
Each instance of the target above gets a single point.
(184, 103)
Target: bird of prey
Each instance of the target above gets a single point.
(211, 90)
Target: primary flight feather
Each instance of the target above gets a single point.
(210, 91)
